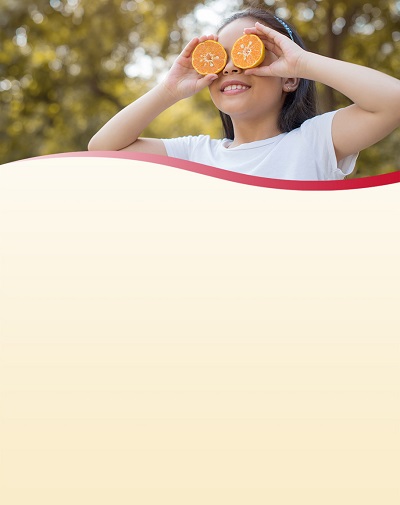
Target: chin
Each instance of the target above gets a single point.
(237, 114)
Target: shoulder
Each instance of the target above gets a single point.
(314, 131)
(316, 136)
(318, 124)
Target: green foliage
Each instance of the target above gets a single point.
(67, 66)
(62, 67)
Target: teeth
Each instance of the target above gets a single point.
(235, 86)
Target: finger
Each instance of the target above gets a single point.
(253, 29)
(209, 78)
(187, 50)
(269, 44)
(256, 31)
(265, 32)
(203, 38)
(205, 81)
(273, 35)
(259, 71)
(267, 29)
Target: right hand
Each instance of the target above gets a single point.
(182, 80)
(288, 54)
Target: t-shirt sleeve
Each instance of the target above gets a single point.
(199, 148)
(317, 133)
(179, 147)
(192, 147)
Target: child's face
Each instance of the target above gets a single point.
(258, 96)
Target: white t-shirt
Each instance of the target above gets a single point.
(306, 153)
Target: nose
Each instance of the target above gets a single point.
(231, 69)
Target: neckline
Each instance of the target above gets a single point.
(249, 145)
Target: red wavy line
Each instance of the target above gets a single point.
(252, 180)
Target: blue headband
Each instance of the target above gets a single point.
(285, 26)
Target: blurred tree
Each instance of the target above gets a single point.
(67, 66)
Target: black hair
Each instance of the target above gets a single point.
(300, 104)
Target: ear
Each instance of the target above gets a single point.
(290, 84)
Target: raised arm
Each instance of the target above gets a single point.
(123, 130)
(375, 111)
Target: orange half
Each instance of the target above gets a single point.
(209, 57)
(248, 52)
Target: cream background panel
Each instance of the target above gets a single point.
(168, 337)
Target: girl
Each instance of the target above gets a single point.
(268, 112)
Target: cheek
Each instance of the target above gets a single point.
(214, 90)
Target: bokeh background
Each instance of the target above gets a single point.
(67, 66)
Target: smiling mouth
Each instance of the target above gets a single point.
(235, 88)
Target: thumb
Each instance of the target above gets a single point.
(259, 71)
(205, 81)
(208, 79)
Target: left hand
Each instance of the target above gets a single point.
(289, 55)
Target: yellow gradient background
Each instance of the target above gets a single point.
(171, 338)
